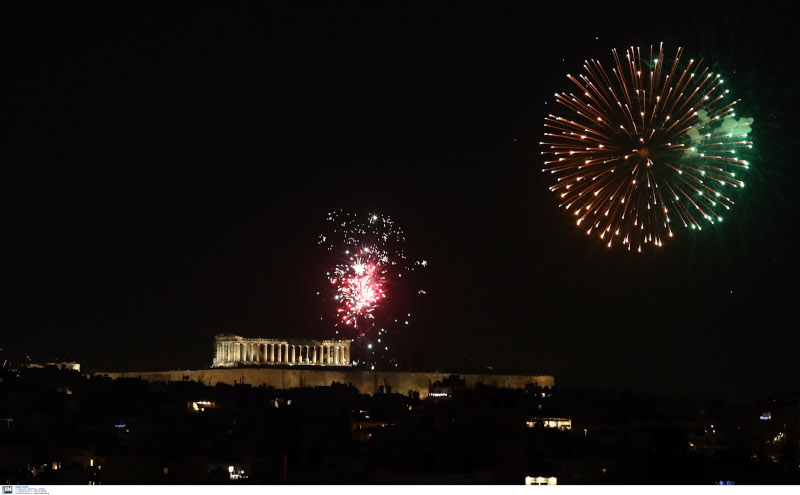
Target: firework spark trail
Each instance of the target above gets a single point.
(370, 260)
(640, 148)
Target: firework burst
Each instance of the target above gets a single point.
(370, 262)
(648, 145)
(360, 285)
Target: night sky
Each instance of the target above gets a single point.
(166, 174)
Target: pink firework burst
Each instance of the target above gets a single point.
(370, 286)
(360, 286)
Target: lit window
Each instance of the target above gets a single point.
(540, 480)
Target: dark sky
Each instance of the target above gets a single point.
(166, 173)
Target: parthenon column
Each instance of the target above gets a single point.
(232, 350)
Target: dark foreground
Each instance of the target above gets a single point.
(61, 427)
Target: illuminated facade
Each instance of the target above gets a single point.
(540, 480)
(563, 424)
(233, 350)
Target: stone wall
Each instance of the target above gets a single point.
(367, 382)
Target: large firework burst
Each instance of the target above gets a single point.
(369, 262)
(360, 285)
(645, 144)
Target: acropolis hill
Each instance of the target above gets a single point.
(285, 364)
(367, 382)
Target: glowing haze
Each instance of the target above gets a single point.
(650, 144)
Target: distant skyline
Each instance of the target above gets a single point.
(168, 173)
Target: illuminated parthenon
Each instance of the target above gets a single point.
(233, 350)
